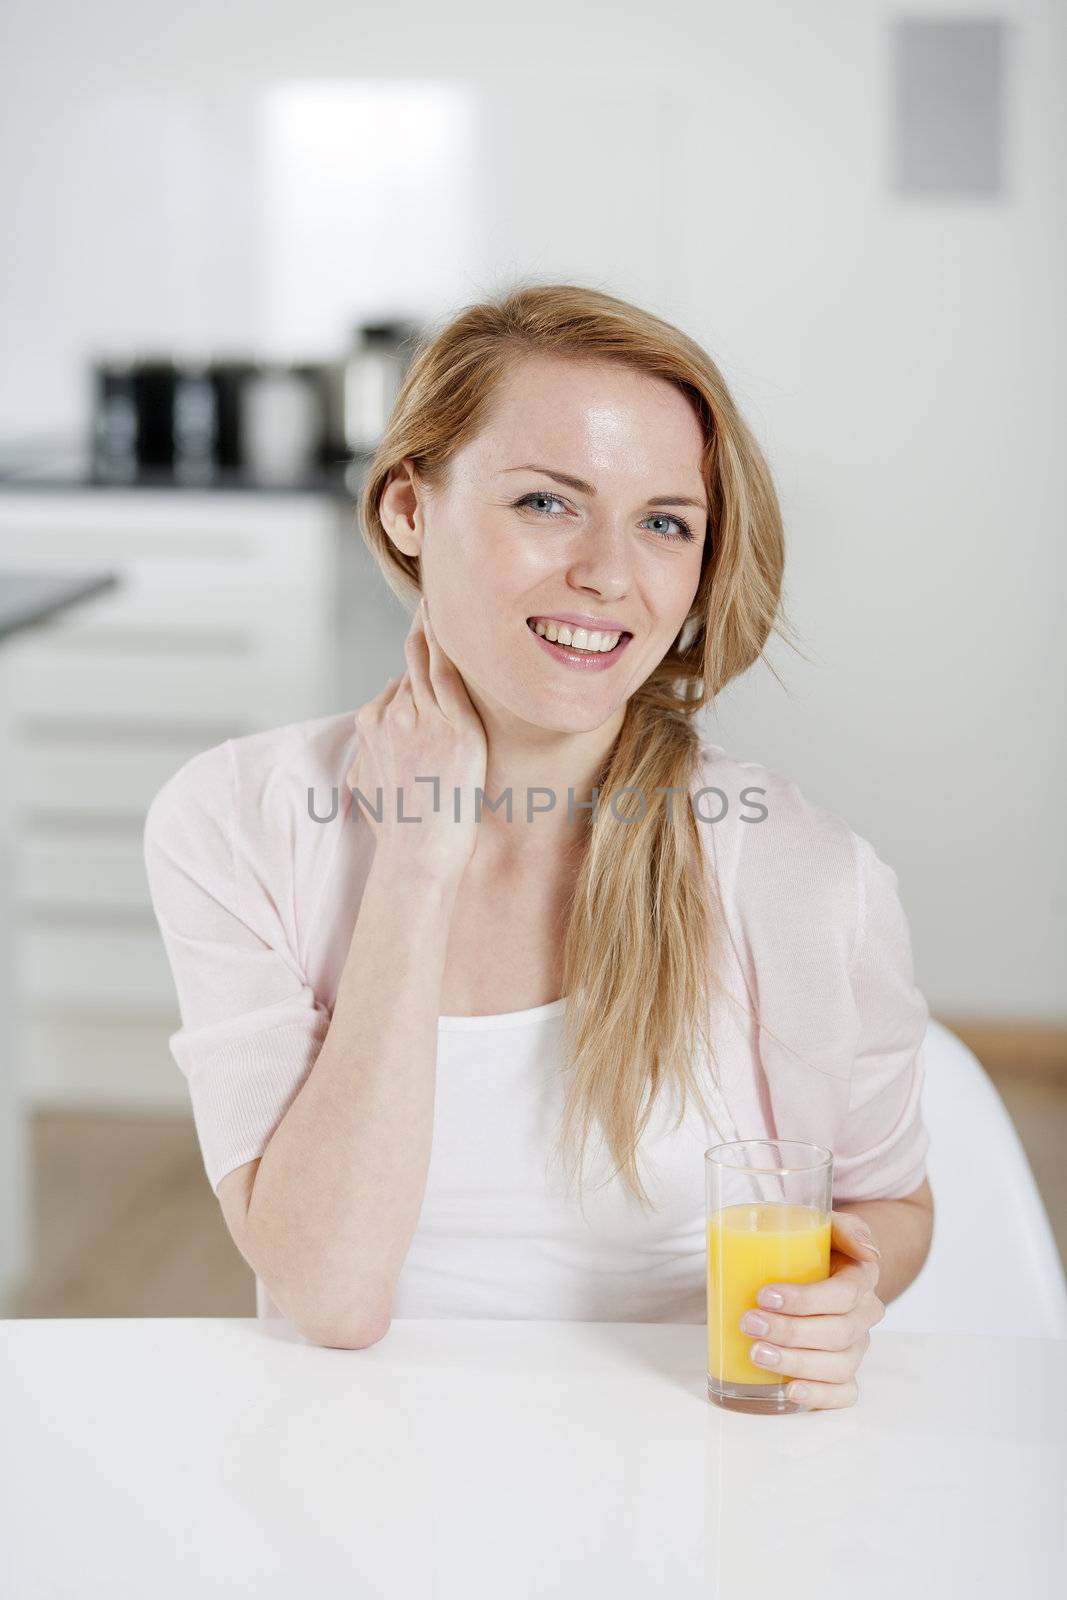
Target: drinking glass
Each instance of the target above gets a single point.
(768, 1221)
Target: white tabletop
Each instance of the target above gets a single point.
(198, 1457)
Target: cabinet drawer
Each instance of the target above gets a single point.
(94, 966)
(239, 533)
(190, 604)
(71, 776)
(81, 871)
(235, 684)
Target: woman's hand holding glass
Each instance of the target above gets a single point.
(422, 725)
(822, 1331)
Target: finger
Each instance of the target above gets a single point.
(812, 1396)
(381, 699)
(370, 713)
(389, 692)
(396, 694)
(810, 1333)
(826, 1366)
(418, 658)
(389, 686)
(841, 1291)
(447, 682)
(402, 704)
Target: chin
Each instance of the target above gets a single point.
(568, 719)
(586, 707)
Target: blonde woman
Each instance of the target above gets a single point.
(515, 907)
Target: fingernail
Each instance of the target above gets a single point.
(751, 1322)
(798, 1392)
(765, 1355)
(770, 1299)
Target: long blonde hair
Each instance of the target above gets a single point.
(644, 924)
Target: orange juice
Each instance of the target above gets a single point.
(751, 1245)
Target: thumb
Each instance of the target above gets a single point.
(856, 1235)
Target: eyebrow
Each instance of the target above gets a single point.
(582, 487)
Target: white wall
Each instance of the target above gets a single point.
(726, 165)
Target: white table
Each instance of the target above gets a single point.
(200, 1457)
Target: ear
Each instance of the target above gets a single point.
(400, 509)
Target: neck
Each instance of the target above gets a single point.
(529, 761)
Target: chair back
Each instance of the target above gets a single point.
(994, 1266)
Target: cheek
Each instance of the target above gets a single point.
(473, 630)
(489, 569)
(689, 586)
(489, 588)
(670, 593)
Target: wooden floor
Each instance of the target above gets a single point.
(127, 1226)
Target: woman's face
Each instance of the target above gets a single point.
(508, 540)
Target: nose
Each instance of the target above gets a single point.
(602, 567)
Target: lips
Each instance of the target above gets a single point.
(581, 661)
(621, 642)
(573, 624)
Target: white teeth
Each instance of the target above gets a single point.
(577, 638)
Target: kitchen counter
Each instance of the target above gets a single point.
(30, 597)
(211, 1457)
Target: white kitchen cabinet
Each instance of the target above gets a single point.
(235, 612)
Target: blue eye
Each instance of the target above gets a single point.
(686, 533)
(538, 495)
(683, 537)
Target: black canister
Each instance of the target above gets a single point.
(115, 427)
(195, 423)
(229, 378)
(154, 390)
(177, 418)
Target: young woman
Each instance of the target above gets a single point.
(543, 905)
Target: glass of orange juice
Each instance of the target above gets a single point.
(768, 1221)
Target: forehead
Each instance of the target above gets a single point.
(587, 415)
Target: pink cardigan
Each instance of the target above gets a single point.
(256, 903)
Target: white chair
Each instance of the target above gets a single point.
(993, 1266)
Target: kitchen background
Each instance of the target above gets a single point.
(224, 223)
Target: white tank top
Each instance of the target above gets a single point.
(500, 1234)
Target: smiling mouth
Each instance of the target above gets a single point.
(624, 635)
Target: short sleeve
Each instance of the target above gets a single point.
(880, 1150)
(251, 1027)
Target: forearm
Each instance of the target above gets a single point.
(902, 1231)
(339, 1189)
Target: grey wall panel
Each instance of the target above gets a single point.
(948, 105)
